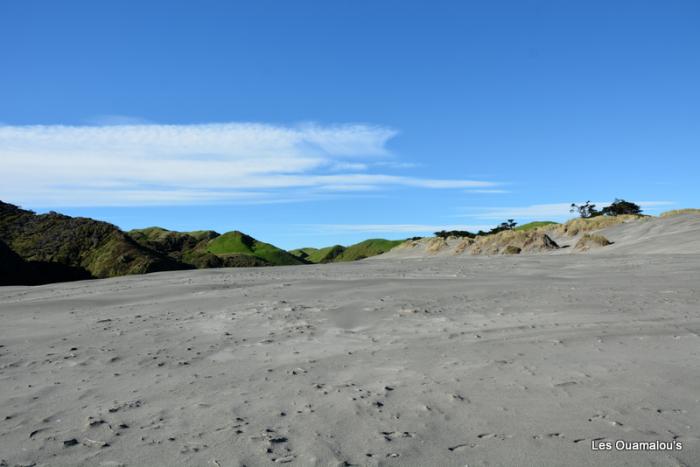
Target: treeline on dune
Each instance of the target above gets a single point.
(44, 248)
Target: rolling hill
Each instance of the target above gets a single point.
(238, 243)
(338, 253)
(209, 249)
(44, 248)
(68, 248)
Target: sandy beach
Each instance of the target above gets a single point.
(437, 361)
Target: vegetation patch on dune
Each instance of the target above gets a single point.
(511, 250)
(463, 245)
(585, 225)
(589, 241)
(679, 212)
(435, 244)
(507, 241)
(535, 225)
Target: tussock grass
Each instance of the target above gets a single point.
(577, 226)
(589, 241)
(511, 250)
(525, 240)
(436, 244)
(678, 212)
(463, 245)
(408, 244)
(535, 225)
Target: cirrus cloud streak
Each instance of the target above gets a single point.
(147, 164)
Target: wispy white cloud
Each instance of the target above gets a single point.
(554, 211)
(488, 191)
(137, 164)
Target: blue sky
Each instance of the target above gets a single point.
(313, 123)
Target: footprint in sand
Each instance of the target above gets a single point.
(392, 435)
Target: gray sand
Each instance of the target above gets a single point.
(435, 361)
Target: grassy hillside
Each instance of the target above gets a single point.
(303, 253)
(208, 249)
(534, 225)
(187, 247)
(371, 247)
(76, 248)
(238, 243)
(336, 253)
(328, 254)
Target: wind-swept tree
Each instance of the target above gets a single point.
(620, 207)
(507, 225)
(585, 210)
(454, 233)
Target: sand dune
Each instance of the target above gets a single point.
(469, 360)
(670, 235)
(679, 234)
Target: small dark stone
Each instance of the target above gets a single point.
(70, 442)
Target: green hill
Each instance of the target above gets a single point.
(209, 249)
(337, 253)
(68, 248)
(328, 254)
(39, 249)
(303, 253)
(371, 247)
(238, 243)
(187, 247)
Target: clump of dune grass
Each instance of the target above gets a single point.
(535, 225)
(436, 244)
(463, 245)
(589, 241)
(678, 212)
(408, 244)
(511, 250)
(577, 226)
(529, 240)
